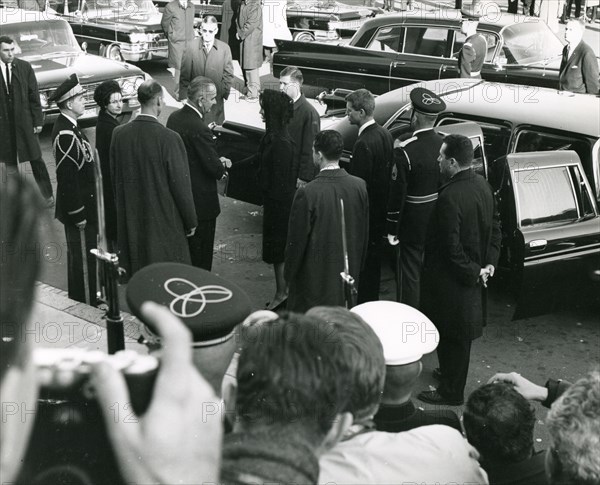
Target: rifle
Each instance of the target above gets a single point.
(350, 292)
(110, 272)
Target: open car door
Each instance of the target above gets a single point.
(240, 144)
(552, 229)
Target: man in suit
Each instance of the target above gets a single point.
(314, 257)
(178, 24)
(152, 187)
(210, 58)
(75, 188)
(19, 96)
(304, 125)
(579, 66)
(371, 161)
(406, 335)
(472, 54)
(460, 256)
(205, 165)
(249, 23)
(415, 180)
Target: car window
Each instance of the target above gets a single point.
(530, 42)
(491, 39)
(387, 39)
(537, 140)
(42, 39)
(533, 184)
(584, 199)
(426, 41)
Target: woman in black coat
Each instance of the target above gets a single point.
(277, 181)
(108, 96)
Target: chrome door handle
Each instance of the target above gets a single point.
(398, 63)
(538, 244)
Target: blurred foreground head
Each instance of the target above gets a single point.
(20, 207)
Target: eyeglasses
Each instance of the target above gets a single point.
(204, 31)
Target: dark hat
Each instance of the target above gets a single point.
(406, 334)
(68, 89)
(426, 101)
(208, 305)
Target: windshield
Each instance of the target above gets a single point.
(129, 7)
(43, 39)
(530, 42)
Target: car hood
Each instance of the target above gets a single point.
(89, 68)
(137, 22)
(340, 10)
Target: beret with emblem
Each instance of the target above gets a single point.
(426, 101)
(405, 333)
(68, 89)
(208, 305)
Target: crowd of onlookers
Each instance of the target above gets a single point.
(307, 393)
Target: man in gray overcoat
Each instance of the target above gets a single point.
(250, 32)
(178, 25)
(152, 187)
(314, 257)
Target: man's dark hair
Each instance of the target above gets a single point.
(294, 73)
(5, 39)
(20, 209)
(362, 99)
(278, 108)
(288, 375)
(104, 91)
(148, 90)
(330, 143)
(360, 357)
(499, 423)
(460, 148)
(200, 84)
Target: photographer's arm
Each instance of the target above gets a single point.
(174, 441)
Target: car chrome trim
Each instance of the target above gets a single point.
(558, 255)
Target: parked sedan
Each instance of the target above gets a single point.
(544, 168)
(391, 51)
(48, 44)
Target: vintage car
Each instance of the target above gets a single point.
(127, 30)
(391, 51)
(48, 44)
(542, 162)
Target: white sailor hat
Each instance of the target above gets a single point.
(405, 333)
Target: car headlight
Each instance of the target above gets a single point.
(44, 100)
(137, 37)
(130, 85)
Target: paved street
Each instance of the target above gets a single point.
(562, 344)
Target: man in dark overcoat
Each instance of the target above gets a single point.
(579, 66)
(205, 165)
(19, 96)
(152, 187)
(178, 24)
(473, 52)
(208, 57)
(75, 188)
(314, 256)
(415, 179)
(372, 158)
(250, 32)
(460, 256)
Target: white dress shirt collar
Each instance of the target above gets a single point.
(362, 128)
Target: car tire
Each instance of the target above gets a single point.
(114, 53)
(304, 37)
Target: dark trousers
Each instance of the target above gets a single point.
(454, 355)
(75, 262)
(568, 7)
(370, 276)
(410, 264)
(201, 244)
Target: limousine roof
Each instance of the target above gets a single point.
(517, 104)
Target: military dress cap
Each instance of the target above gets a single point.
(405, 333)
(67, 89)
(426, 101)
(208, 305)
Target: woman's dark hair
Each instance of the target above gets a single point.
(20, 209)
(103, 93)
(278, 108)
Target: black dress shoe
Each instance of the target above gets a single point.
(437, 374)
(434, 397)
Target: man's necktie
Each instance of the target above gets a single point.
(7, 67)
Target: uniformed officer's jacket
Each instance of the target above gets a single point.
(414, 185)
(472, 56)
(75, 190)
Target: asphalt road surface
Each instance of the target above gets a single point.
(563, 344)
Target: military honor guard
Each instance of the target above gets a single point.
(415, 180)
(75, 190)
(406, 335)
(472, 54)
